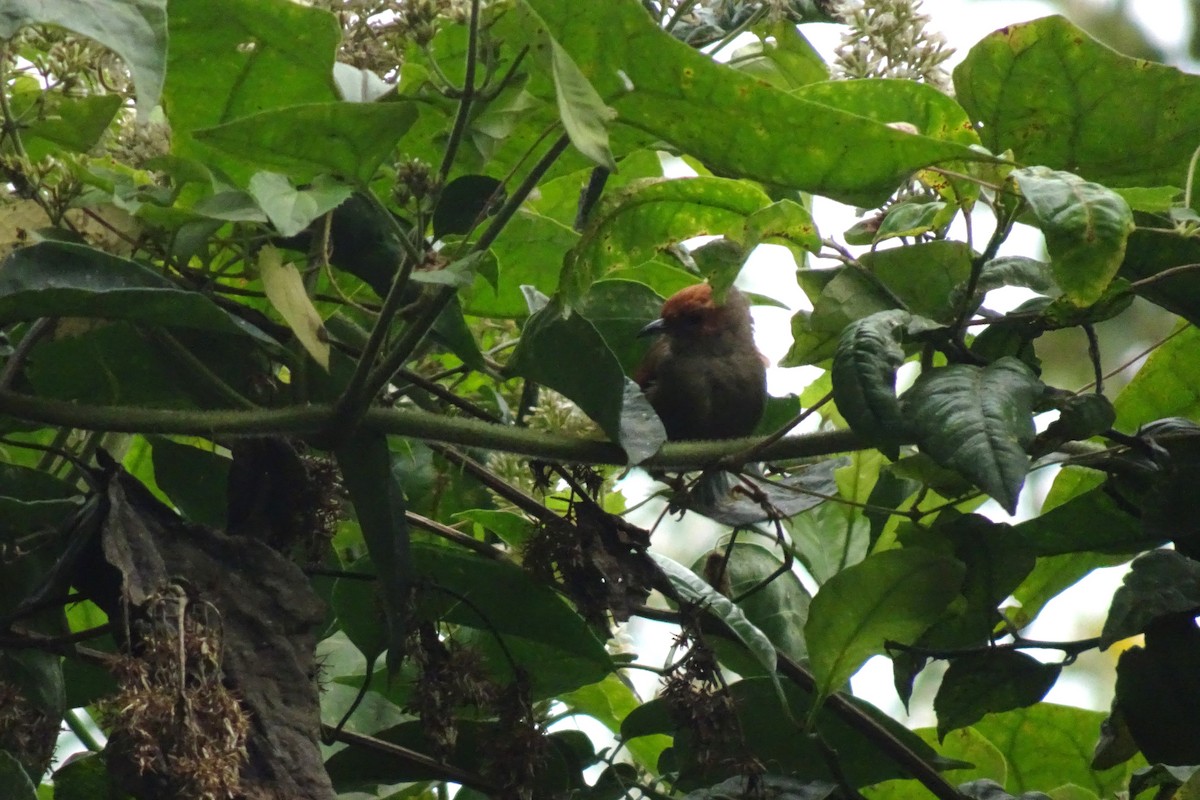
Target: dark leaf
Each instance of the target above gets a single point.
(739, 501)
(56, 279)
(1162, 583)
(1158, 692)
(372, 481)
(465, 202)
(977, 421)
(990, 682)
(195, 480)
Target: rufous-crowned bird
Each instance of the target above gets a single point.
(703, 375)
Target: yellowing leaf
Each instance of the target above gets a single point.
(286, 292)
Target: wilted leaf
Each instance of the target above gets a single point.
(1086, 226)
(285, 289)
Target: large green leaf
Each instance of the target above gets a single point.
(1158, 691)
(890, 596)
(501, 599)
(136, 30)
(14, 781)
(348, 140)
(693, 590)
(583, 113)
(1055, 96)
(609, 702)
(529, 252)
(71, 123)
(1049, 745)
(1150, 256)
(1167, 385)
(978, 421)
(839, 296)
(656, 83)
(235, 58)
(924, 275)
(1086, 227)
(633, 225)
(779, 609)
(196, 480)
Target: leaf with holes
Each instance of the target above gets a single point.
(1086, 225)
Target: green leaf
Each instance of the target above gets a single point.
(358, 605)
(779, 609)
(619, 309)
(195, 480)
(379, 504)
(781, 140)
(347, 140)
(610, 702)
(693, 590)
(839, 296)
(782, 57)
(932, 112)
(1152, 254)
(911, 219)
(235, 58)
(1160, 583)
(291, 210)
(978, 421)
(632, 226)
(990, 682)
(864, 377)
(583, 113)
(529, 252)
(890, 596)
(1017, 271)
(965, 745)
(924, 276)
(285, 289)
(1092, 521)
(1151, 199)
(108, 364)
(136, 30)
(1049, 745)
(1167, 385)
(1086, 227)
(85, 777)
(70, 123)
(1055, 96)
(565, 352)
(546, 637)
(57, 279)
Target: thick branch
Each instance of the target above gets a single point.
(308, 420)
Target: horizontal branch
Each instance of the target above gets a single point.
(415, 424)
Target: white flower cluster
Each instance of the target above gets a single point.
(890, 39)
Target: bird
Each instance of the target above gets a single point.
(703, 375)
